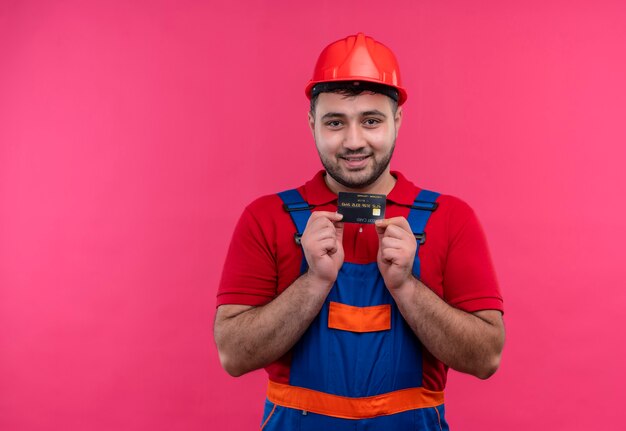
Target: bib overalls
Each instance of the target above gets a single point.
(359, 365)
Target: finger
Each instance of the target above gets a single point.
(394, 221)
(319, 218)
(395, 231)
(381, 223)
(323, 235)
(336, 217)
(328, 246)
(320, 224)
(339, 232)
(332, 216)
(380, 226)
(389, 242)
(391, 255)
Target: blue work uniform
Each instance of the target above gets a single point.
(359, 365)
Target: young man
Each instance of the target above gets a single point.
(357, 324)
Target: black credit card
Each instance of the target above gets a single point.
(361, 207)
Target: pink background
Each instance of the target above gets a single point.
(132, 134)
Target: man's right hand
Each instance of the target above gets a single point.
(248, 338)
(322, 245)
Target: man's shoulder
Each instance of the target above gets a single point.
(453, 216)
(454, 203)
(273, 202)
(264, 203)
(446, 202)
(269, 202)
(451, 209)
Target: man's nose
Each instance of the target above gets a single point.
(353, 139)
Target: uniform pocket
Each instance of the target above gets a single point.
(359, 319)
(279, 418)
(441, 419)
(431, 419)
(268, 413)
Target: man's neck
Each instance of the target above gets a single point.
(383, 185)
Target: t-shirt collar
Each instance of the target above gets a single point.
(317, 192)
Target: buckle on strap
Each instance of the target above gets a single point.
(424, 205)
(297, 206)
(420, 237)
(298, 238)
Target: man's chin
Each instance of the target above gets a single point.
(354, 180)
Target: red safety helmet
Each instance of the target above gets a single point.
(358, 58)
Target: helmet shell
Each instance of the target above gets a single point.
(358, 58)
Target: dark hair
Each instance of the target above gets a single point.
(351, 89)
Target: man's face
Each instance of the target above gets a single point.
(355, 136)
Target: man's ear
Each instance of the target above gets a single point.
(311, 118)
(397, 119)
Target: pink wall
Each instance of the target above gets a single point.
(132, 135)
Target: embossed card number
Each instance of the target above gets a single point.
(361, 207)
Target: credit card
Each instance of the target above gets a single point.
(361, 207)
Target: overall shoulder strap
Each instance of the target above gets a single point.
(300, 211)
(423, 206)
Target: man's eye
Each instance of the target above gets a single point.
(334, 124)
(371, 122)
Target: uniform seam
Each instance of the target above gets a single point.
(268, 417)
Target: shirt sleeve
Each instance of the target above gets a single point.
(470, 282)
(249, 274)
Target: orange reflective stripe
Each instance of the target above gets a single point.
(359, 319)
(352, 408)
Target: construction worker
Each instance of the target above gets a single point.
(356, 319)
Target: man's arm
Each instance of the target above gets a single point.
(251, 337)
(248, 338)
(468, 342)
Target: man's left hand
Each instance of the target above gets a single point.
(396, 251)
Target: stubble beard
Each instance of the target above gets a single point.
(362, 179)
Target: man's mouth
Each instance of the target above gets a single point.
(355, 162)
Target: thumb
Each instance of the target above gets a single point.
(381, 226)
(339, 232)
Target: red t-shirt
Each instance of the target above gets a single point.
(263, 258)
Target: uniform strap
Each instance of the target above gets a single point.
(423, 206)
(300, 211)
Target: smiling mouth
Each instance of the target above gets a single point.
(355, 162)
(354, 158)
